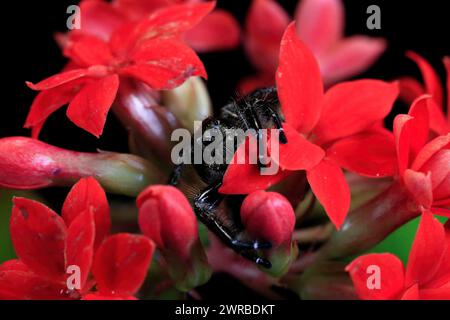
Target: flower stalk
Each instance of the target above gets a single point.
(370, 223)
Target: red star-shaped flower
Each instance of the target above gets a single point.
(150, 51)
(322, 129)
(47, 245)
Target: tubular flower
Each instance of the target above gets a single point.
(27, 163)
(66, 257)
(270, 217)
(424, 167)
(410, 89)
(166, 217)
(320, 24)
(427, 275)
(219, 30)
(150, 51)
(344, 120)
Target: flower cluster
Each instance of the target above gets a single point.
(346, 180)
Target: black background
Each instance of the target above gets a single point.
(30, 53)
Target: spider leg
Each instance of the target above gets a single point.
(205, 206)
(251, 255)
(176, 174)
(278, 124)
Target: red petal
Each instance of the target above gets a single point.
(320, 23)
(136, 9)
(18, 282)
(299, 83)
(431, 79)
(391, 276)
(328, 183)
(410, 89)
(177, 19)
(412, 293)
(89, 108)
(59, 79)
(427, 251)
(80, 243)
(121, 263)
(432, 86)
(171, 21)
(243, 177)
(429, 150)
(164, 64)
(351, 107)
(350, 57)
(264, 28)
(370, 154)
(442, 276)
(88, 193)
(298, 153)
(435, 294)
(439, 167)
(437, 118)
(87, 51)
(420, 125)
(39, 237)
(99, 19)
(47, 102)
(99, 296)
(217, 31)
(402, 134)
(419, 185)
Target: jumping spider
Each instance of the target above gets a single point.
(259, 110)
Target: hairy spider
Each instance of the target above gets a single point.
(258, 110)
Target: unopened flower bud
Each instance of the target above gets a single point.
(189, 102)
(269, 216)
(27, 163)
(166, 217)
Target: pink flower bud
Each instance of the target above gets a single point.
(166, 217)
(27, 163)
(268, 216)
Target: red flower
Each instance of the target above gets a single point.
(320, 24)
(423, 166)
(323, 130)
(269, 216)
(48, 244)
(410, 89)
(150, 51)
(427, 274)
(219, 30)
